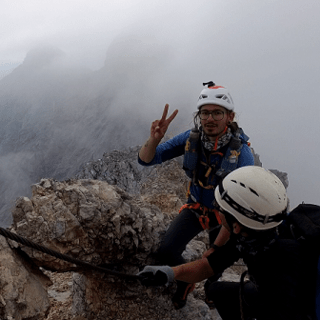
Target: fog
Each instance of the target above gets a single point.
(80, 79)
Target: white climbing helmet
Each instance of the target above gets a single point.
(254, 196)
(218, 95)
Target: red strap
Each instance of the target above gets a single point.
(204, 221)
(189, 289)
(217, 139)
(216, 213)
(190, 206)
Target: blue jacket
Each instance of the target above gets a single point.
(175, 147)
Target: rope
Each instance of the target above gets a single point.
(28, 243)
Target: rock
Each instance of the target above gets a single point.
(23, 287)
(119, 168)
(102, 225)
(283, 176)
(113, 215)
(89, 220)
(256, 157)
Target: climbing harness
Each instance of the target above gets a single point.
(204, 216)
(31, 244)
(193, 149)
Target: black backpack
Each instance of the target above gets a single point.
(304, 224)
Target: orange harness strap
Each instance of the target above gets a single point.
(194, 206)
(216, 213)
(203, 219)
(188, 191)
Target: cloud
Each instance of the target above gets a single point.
(148, 53)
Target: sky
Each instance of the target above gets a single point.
(265, 52)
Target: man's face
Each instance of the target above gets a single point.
(236, 228)
(215, 128)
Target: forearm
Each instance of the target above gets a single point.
(194, 271)
(222, 237)
(148, 150)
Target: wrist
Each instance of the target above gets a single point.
(153, 141)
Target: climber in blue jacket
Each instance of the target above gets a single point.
(215, 147)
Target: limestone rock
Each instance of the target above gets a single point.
(119, 168)
(23, 287)
(89, 220)
(256, 157)
(164, 185)
(283, 176)
(112, 215)
(103, 225)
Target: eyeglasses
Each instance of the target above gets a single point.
(216, 115)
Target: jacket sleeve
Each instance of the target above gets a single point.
(224, 257)
(168, 150)
(246, 157)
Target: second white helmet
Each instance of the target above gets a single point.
(217, 95)
(254, 196)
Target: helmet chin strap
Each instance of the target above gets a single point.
(230, 220)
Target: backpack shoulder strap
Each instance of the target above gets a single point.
(191, 155)
(230, 159)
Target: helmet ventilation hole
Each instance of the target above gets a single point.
(254, 192)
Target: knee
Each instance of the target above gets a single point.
(219, 292)
(213, 289)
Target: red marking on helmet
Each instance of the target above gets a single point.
(216, 87)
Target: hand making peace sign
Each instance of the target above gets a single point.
(159, 127)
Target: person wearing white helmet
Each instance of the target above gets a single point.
(252, 204)
(213, 148)
(255, 197)
(217, 101)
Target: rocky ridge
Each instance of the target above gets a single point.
(113, 215)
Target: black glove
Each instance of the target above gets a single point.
(156, 276)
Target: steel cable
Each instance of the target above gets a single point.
(31, 244)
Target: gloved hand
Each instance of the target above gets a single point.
(156, 276)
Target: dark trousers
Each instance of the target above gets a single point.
(181, 231)
(226, 297)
